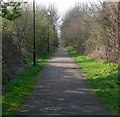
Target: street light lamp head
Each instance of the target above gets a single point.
(48, 13)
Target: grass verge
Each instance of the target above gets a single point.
(102, 78)
(24, 84)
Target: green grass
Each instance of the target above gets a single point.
(102, 78)
(24, 84)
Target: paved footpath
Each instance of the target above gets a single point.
(61, 90)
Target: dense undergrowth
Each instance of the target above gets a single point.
(22, 86)
(102, 78)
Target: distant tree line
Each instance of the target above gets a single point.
(93, 29)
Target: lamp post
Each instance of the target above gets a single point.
(54, 37)
(48, 38)
(48, 14)
(34, 53)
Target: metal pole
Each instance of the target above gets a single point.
(48, 38)
(118, 77)
(54, 38)
(34, 54)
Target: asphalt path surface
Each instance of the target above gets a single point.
(62, 90)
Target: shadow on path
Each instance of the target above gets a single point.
(61, 90)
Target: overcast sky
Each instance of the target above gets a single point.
(62, 5)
